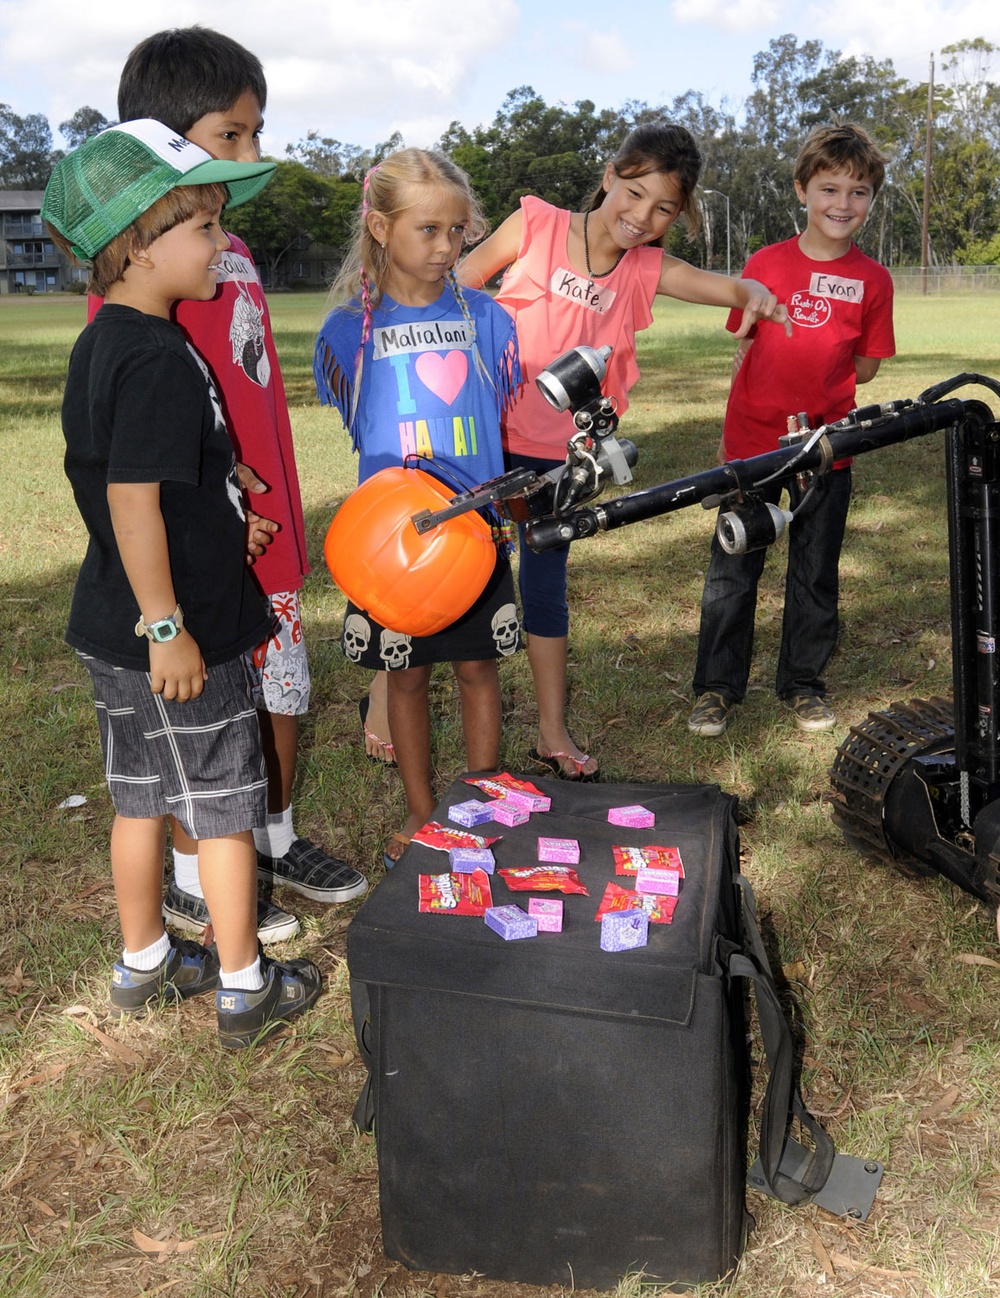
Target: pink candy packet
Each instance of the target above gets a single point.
(629, 859)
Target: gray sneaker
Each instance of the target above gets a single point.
(186, 911)
(307, 869)
(248, 1018)
(710, 715)
(186, 971)
(811, 712)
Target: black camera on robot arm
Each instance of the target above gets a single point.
(595, 455)
(747, 521)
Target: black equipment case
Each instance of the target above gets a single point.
(550, 1113)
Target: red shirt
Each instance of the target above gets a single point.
(839, 309)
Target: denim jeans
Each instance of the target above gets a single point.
(809, 624)
(541, 578)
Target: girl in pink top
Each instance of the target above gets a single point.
(591, 277)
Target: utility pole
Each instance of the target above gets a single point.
(925, 222)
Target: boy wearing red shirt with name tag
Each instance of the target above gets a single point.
(840, 304)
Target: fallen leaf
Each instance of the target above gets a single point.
(125, 1053)
(915, 1004)
(941, 1105)
(819, 1250)
(848, 1263)
(970, 957)
(42, 1207)
(338, 1058)
(164, 1247)
(797, 971)
(46, 1075)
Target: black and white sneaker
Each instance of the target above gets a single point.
(247, 1018)
(307, 869)
(186, 911)
(187, 970)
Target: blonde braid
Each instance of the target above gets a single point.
(456, 288)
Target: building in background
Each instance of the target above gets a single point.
(29, 260)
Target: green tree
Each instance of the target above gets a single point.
(84, 123)
(26, 155)
(290, 213)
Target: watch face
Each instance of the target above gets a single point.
(165, 630)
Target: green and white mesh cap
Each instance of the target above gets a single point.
(100, 188)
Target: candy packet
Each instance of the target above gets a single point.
(660, 909)
(498, 786)
(455, 894)
(629, 859)
(444, 837)
(543, 878)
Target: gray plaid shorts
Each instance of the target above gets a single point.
(199, 761)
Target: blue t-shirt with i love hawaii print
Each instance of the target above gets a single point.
(422, 392)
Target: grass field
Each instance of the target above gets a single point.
(137, 1159)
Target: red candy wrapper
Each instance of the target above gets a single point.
(543, 878)
(498, 786)
(444, 837)
(628, 859)
(455, 894)
(659, 909)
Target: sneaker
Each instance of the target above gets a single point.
(307, 869)
(710, 715)
(811, 712)
(247, 1018)
(185, 910)
(188, 970)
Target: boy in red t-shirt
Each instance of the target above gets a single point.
(840, 304)
(207, 87)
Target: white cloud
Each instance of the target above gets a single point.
(729, 15)
(901, 30)
(334, 67)
(597, 51)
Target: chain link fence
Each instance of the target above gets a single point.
(947, 279)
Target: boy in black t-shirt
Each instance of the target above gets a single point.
(164, 607)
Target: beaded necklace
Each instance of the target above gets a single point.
(586, 255)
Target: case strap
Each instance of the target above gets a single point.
(782, 1099)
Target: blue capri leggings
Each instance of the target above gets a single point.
(541, 578)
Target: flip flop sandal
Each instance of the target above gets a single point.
(384, 744)
(554, 762)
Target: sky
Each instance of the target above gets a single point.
(359, 70)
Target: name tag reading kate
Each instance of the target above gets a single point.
(585, 292)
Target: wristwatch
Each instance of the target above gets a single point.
(167, 628)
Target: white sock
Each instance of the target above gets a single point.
(150, 957)
(186, 872)
(249, 979)
(277, 835)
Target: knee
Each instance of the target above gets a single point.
(477, 674)
(409, 682)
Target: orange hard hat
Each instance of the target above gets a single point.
(413, 582)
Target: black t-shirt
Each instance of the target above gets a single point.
(140, 407)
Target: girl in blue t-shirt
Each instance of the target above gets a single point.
(418, 366)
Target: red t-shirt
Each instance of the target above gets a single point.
(839, 309)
